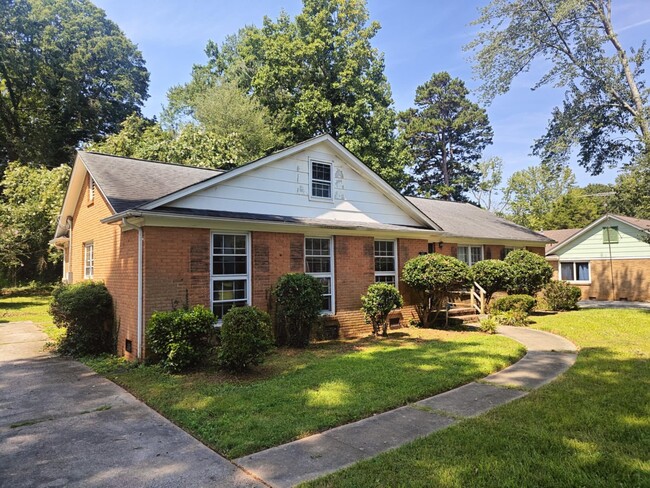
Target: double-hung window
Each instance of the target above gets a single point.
(470, 254)
(575, 271)
(385, 262)
(321, 180)
(89, 261)
(319, 263)
(230, 272)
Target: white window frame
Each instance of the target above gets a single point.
(469, 247)
(386, 273)
(237, 277)
(91, 189)
(329, 275)
(89, 260)
(312, 180)
(575, 272)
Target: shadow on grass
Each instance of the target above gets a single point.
(588, 428)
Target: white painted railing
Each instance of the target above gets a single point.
(477, 298)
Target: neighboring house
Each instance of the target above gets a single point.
(163, 235)
(609, 259)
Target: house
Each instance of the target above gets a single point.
(609, 259)
(164, 235)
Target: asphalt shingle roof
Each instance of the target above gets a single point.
(128, 183)
(467, 220)
(559, 235)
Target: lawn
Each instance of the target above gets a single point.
(297, 393)
(28, 304)
(590, 427)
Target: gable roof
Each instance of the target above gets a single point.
(128, 183)
(640, 224)
(393, 195)
(466, 220)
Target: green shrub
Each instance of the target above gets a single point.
(180, 338)
(488, 325)
(528, 272)
(561, 295)
(86, 310)
(513, 318)
(245, 338)
(522, 303)
(377, 303)
(432, 277)
(298, 300)
(492, 275)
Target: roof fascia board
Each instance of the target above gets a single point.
(379, 183)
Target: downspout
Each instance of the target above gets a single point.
(140, 326)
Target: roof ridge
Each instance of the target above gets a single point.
(181, 165)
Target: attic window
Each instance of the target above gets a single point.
(321, 180)
(91, 190)
(610, 235)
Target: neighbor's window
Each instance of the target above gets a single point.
(385, 262)
(574, 271)
(318, 263)
(610, 235)
(321, 179)
(230, 274)
(470, 254)
(89, 261)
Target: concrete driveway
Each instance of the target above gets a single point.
(63, 425)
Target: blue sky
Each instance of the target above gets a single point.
(418, 38)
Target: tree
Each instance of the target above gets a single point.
(490, 178)
(446, 134)
(67, 75)
(605, 111)
(28, 216)
(531, 192)
(315, 74)
(573, 210)
(191, 145)
(632, 190)
(492, 275)
(432, 277)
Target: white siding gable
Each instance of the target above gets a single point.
(590, 245)
(282, 187)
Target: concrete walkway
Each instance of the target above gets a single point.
(284, 466)
(612, 304)
(63, 425)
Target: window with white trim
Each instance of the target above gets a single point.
(230, 272)
(385, 262)
(470, 254)
(321, 180)
(575, 271)
(89, 261)
(319, 264)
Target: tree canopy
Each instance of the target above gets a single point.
(67, 75)
(445, 134)
(314, 74)
(606, 111)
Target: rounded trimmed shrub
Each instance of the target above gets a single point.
(528, 273)
(513, 318)
(432, 277)
(245, 338)
(86, 310)
(298, 300)
(561, 295)
(492, 275)
(520, 303)
(377, 303)
(181, 338)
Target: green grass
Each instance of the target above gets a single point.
(590, 427)
(29, 304)
(297, 393)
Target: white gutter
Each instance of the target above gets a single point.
(140, 327)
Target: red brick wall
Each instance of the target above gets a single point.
(176, 268)
(115, 255)
(491, 251)
(273, 255)
(537, 250)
